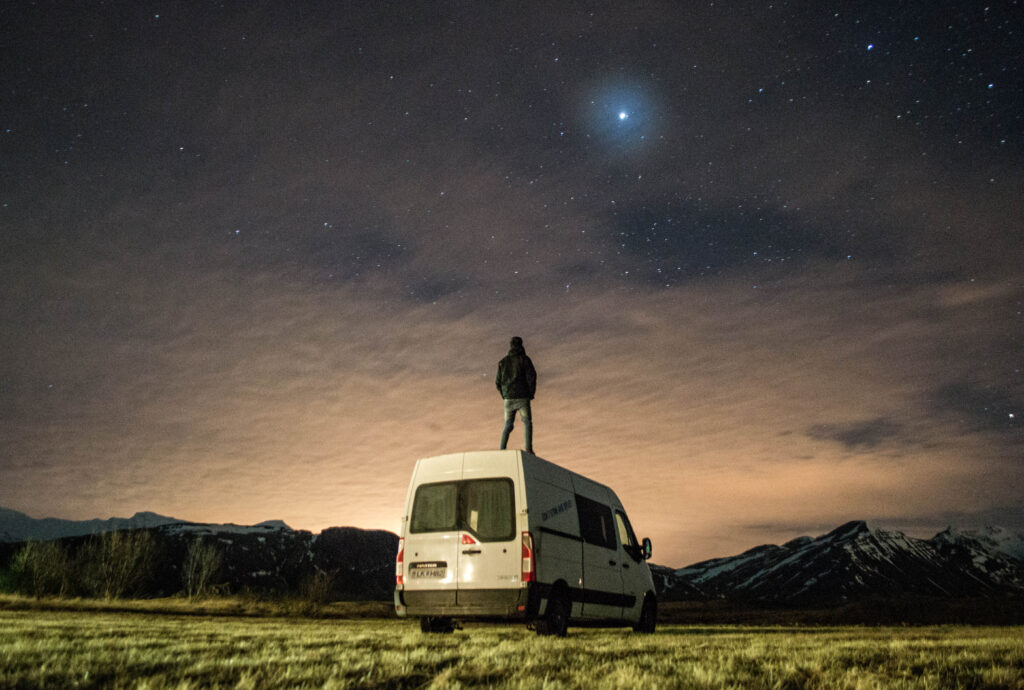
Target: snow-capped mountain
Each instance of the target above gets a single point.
(17, 527)
(857, 560)
(992, 539)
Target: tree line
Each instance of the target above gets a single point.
(111, 565)
(339, 564)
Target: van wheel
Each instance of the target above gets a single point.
(436, 624)
(556, 618)
(648, 616)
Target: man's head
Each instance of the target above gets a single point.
(516, 341)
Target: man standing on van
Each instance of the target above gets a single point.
(517, 382)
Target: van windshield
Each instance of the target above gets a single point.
(482, 507)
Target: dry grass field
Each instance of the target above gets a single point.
(177, 647)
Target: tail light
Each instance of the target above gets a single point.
(529, 563)
(467, 539)
(400, 564)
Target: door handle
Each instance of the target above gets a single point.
(626, 566)
(471, 552)
(611, 562)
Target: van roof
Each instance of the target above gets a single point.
(478, 461)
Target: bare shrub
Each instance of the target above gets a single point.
(116, 564)
(315, 591)
(202, 563)
(41, 569)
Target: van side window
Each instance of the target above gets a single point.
(626, 536)
(596, 523)
(483, 507)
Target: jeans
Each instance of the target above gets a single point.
(523, 405)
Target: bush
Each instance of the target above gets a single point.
(115, 564)
(12, 576)
(38, 569)
(202, 563)
(315, 592)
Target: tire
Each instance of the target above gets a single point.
(648, 616)
(436, 624)
(556, 619)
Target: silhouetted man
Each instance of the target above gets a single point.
(517, 382)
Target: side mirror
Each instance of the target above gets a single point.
(647, 548)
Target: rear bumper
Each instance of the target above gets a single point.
(467, 603)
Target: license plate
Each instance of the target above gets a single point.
(432, 569)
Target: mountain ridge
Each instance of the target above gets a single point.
(857, 560)
(16, 526)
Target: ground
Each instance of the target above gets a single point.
(212, 647)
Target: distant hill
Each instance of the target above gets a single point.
(18, 527)
(270, 557)
(857, 561)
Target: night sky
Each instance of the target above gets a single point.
(257, 258)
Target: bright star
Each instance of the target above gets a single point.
(620, 115)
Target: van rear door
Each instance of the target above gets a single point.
(432, 542)
(490, 554)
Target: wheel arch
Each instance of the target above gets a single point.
(559, 589)
(648, 620)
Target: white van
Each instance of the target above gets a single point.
(503, 534)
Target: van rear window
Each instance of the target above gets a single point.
(435, 508)
(482, 507)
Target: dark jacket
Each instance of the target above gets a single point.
(516, 376)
